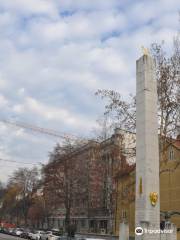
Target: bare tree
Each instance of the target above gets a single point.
(37, 212)
(19, 193)
(168, 80)
(123, 113)
(63, 179)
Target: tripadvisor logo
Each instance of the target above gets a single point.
(139, 231)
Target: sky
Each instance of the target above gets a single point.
(54, 55)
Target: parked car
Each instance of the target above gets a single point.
(30, 234)
(37, 235)
(25, 234)
(18, 232)
(10, 231)
(45, 235)
(55, 236)
(5, 230)
(2, 230)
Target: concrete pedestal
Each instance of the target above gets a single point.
(171, 232)
(124, 231)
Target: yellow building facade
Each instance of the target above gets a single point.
(169, 189)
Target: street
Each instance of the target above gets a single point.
(8, 237)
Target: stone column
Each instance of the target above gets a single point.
(147, 209)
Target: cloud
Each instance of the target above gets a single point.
(54, 114)
(21, 91)
(56, 54)
(29, 7)
(3, 83)
(87, 5)
(3, 101)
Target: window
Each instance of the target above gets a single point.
(171, 154)
(103, 224)
(82, 222)
(92, 223)
(124, 214)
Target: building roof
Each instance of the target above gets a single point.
(177, 143)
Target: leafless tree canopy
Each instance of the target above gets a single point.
(122, 113)
(18, 196)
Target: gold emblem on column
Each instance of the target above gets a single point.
(140, 186)
(153, 198)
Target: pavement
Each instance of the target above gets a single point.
(8, 237)
(97, 237)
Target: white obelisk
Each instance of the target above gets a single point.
(147, 209)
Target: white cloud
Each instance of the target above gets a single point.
(18, 108)
(3, 83)
(62, 115)
(80, 26)
(107, 60)
(56, 54)
(30, 6)
(21, 91)
(3, 101)
(90, 5)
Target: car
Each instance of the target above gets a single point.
(5, 230)
(37, 235)
(30, 234)
(2, 230)
(45, 235)
(15, 231)
(25, 234)
(10, 231)
(18, 232)
(55, 236)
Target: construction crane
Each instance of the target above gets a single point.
(41, 130)
(18, 162)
